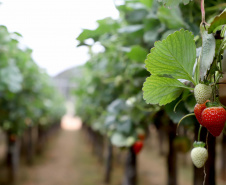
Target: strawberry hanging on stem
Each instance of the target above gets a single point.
(198, 111)
(137, 146)
(202, 93)
(214, 118)
(199, 154)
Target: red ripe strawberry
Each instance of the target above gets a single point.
(214, 118)
(198, 111)
(137, 146)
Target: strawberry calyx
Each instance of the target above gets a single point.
(212, 104)
(199, 144)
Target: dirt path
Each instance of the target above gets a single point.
(56, 167)
(67, 161)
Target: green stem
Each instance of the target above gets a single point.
(191, 114)
(174, 110)
(200, 128)
(214, 88)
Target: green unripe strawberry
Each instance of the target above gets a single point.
(202, 93)
(199, 154)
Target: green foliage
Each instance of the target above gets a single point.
(207, 53)
(148, 3)
(11, 78)
(115, 109)
(162, 90)
(108, 93)
(104, 26)
(28, 96)
(172, 19)
(170, 59)
(174, 56)
(172, 3)
(180, 112)
(137, 53)
(131, 29)
(218, 21)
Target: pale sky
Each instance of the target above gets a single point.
(50, 27)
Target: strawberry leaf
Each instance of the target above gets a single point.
(218, 21)
(137, 53)
(207, 53)
(148, 3)
(162, 90)
(172, 19)
(173, 3)
(175, 56)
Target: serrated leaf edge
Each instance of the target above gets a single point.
(163, 41)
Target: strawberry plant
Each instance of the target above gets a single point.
(19, 88)
(26, 93)
(177, 66)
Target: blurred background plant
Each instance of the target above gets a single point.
(28, 100)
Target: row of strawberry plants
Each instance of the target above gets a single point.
(28, 96)
(109, 93)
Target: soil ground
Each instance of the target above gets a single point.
(68, 160)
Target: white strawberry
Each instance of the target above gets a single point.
(202, 93)
(199, 156)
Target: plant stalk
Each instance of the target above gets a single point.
(203, 12)
(200, 128)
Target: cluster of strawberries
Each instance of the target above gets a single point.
(210, 115)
